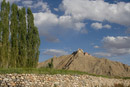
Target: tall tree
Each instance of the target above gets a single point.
(0, 32)
(14, 35)
(19, 46)
(35, 46)
(0, 40)
(22, 38)
(5, 9)
(33, 40)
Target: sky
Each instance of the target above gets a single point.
(99, 27)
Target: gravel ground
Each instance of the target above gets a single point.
(35, 80)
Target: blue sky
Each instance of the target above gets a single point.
(99, 27)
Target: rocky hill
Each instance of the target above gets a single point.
(81, 61)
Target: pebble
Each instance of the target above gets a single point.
(35, 80)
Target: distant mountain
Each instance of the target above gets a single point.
(81, 61)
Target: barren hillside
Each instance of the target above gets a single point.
(81, 61)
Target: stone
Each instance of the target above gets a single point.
(32, 80)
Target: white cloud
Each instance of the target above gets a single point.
(27, 3)
(48, 22)
(45, 19)
(54, 52)
(117, 52)
(102, 54)
(43, 6)
(116, 42)
(97, 25)
(56, 9)
(20, 7)
(107, 26)
(100, 26)
(117, 45)
(114, 46)
(98, 10)
(68, 22)
(96, 46)
(84, 31)
(11, 1)
(79, 26)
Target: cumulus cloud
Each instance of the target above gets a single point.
(97, 25)
(107, 26)
(96, 46)
(42, 5)
(100, 26)
(98, 10)
(102, 54)
(48, 23)
(114, 46)
(11, 1)
(54, 52)
(27, 3)
(68, 22)
(45, 20)
(56, 9)
(49, 20)
(116, 42)
(79, 26)
(117, 45)
(84, 31)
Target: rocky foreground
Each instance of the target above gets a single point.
(34, 80)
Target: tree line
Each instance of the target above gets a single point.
(19, 37)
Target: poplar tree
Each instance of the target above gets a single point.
(33, 40)
(22, 38)
(5, 9)
(35, 46)
(14, 35)
(0, 40)
(0, 30)
(19, 41)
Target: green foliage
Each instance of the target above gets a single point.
(14, 36)
(19, 44)
(50, 65)
(33, 41)
(5, 10)
(47, 71)
(0, 40)
(39, 71)
(22, 34)
(126, 77)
